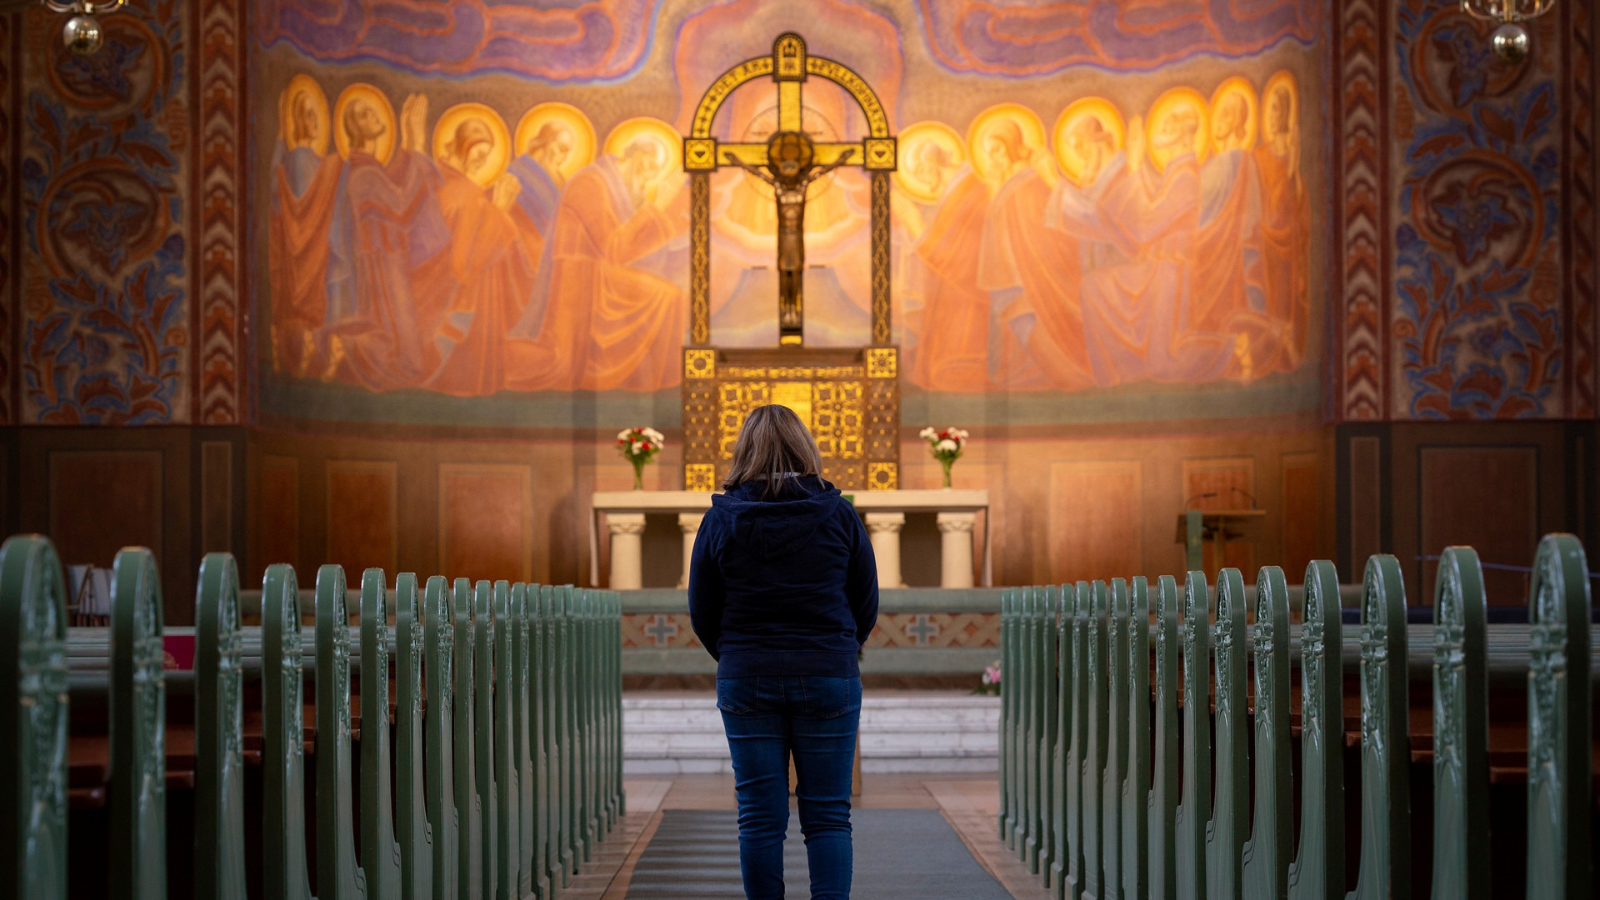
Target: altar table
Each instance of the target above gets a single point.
(623, 513)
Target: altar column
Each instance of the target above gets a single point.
(955, 548)
(883, 528)
(689, 524)
(627, 550)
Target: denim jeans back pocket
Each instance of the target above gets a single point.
(739, 696)
(829, 697)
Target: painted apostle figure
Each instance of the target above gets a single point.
(790, 171)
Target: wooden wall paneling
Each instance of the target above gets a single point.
(1486, 497)
(217, 499)
(1218, 484)
(1096, 519)
(486, 521)
(277, 516)
(1301, 505)
(362, 504)
(1362, 497)
(103, 500)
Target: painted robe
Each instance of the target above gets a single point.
(390, 278)
(1138, 316)
(304, 186)
(1033, 275)
(1286, 244)
(613, 319)
(952, 348)
(494, 281)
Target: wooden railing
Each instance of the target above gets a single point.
(1115, 784)
(502, 775)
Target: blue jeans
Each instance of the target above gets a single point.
(815, 718)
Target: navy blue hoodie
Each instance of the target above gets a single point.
(786, 586)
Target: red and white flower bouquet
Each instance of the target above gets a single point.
(639, 446)
(946, 446)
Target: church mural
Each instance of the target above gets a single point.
(1478, 323)
(1134, 210)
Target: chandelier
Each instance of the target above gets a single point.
(82, 33)
(1510, 41)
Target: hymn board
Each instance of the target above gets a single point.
(849, 396)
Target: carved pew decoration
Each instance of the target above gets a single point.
(33, 688)
(552, 775)
(416, 834)
(1318, 869)
(1007, 635)
(284, 871)
(443, 819)
(1385, 736)
(521, 734)
(1136, 784)
(339, 873)
(1163, 805)
(1078, 810)
(1032, 721)
(1063, 761)
(1226, 832)
(469, 806)
(1460, 729)
(380, 853)
(539, 684)
(1049, 779)
(1266, 854)
(508, 786)
(1559, 710)
(1190, 824)
(138, 730)
(1094, 751)
(1115, 759)
(483, 634)
(219, 866)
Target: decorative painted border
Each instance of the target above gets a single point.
(216, 223)
(1578, 202)
(932, 631)
(10, 202)
(1363, 257)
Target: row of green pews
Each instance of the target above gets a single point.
(499, 777)
(1120, 781)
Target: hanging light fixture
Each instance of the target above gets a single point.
(82, 34)
(1510, 41)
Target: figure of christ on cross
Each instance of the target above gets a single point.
(790, 171)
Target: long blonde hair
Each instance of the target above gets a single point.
(775, 446)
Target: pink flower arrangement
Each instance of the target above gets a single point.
(991, 679)
(639, 446)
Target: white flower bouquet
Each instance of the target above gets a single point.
(639, 446)
(946, 446)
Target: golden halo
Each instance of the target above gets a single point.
(649, 128)
(912, 141)
(305, 85)
(1241, 87)
(1171, 102)
(1282, 79)
(985, 122)
(444, 132)
(1097, 108)
(576, 123)
(371, 95)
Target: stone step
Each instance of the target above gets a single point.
(670, 734)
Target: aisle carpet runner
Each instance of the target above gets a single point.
(899, 853)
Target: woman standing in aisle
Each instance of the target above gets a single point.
(783, 591)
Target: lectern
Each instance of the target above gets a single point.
(1197, 526)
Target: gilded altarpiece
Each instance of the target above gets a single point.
(849, 396)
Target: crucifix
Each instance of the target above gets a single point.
(789, 161)
(791, 168)
(849, 396)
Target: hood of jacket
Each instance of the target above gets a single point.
(769, 526)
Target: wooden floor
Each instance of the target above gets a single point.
(969, 804)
